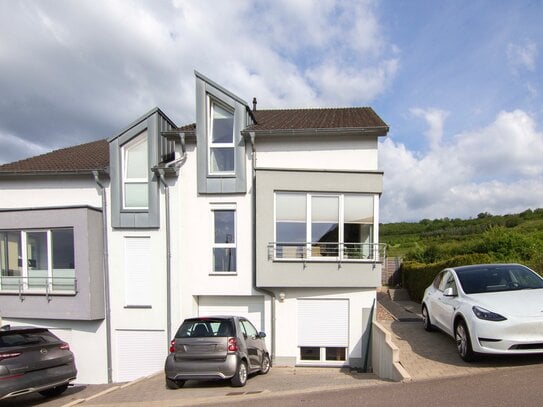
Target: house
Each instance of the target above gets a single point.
(268, 214)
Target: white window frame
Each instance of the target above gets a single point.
(341, 222)
(139, 139)
(26, 287)
(219, 208)
(211, 145)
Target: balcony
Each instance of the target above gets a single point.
(40, 285)
(326, 251)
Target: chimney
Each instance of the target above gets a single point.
(254, 104)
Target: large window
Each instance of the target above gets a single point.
(136, 173)
(221, 139)
(224, 240)
(37, 260)
(324, 225)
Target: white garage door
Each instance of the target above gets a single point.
(250, 307)
(139, 353)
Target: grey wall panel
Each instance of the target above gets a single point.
(150, 218)
(281, 273)
(209, 184)
(88, 302)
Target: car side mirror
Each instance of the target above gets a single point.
(449, 292)
(261, 334)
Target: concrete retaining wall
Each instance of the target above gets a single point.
(386, 356)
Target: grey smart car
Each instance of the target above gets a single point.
(218, 347)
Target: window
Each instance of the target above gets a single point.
(320, 226)
(323, 330)
(224, 240)
(136, 173)
(37, 260)
(248, 328)
(221, 140)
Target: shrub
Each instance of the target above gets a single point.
(417, 276)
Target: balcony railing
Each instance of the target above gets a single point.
(358, 252)
(38, 285)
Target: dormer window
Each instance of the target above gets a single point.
(221, 140)
(136, 173)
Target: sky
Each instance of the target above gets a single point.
(458, 82)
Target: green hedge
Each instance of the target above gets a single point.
(417, 276)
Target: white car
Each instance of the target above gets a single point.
(487, 308)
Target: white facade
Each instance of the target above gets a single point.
(159, 262)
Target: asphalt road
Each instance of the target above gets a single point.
(512, 387)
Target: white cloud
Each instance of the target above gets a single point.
(522, 55)
(435, 119)
(71, 72)
(496, 169)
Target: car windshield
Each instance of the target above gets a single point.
(205, 327)
(487, 279)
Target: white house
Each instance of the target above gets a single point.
(269, 214)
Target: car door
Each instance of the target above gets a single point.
(254, 343)
(431, 297)
(444, 305)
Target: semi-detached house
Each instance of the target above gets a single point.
(268, 214)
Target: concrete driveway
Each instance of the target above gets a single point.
(430, 355)
(151, 391)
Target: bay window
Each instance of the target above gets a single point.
(324, 225)
(37, 260)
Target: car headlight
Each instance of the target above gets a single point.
(487, 315)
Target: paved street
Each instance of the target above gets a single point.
(519, 386)
(439, 376)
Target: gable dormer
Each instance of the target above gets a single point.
(134, 152)
(220, 118)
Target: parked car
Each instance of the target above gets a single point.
(219, 347)
(34, 360)
(488, 308)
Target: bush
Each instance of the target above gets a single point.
(417, 276)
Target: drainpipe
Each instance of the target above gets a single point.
(253, 214)
(105, 269)
(160, 174)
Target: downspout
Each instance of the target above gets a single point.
(160, 174)
(105, 269)
(253, 214)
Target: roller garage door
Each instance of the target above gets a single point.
(250, 307)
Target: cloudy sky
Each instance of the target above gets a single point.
(458, 82)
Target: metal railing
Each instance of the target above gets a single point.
(369, 252)
(38, 285)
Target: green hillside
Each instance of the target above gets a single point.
(506, 238)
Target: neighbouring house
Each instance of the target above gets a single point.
(268, 214)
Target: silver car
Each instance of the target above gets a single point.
(34, 360)
(219, 347)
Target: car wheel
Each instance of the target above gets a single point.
(463, 342)
(426, 319)
(174, 384)
(240, 378)
(265, 366)
(54, 391)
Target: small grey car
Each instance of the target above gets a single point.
(218, 347)
(34, 360)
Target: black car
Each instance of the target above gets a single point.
(34, 360)
(219, 347)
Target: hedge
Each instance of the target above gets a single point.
(416, 277)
